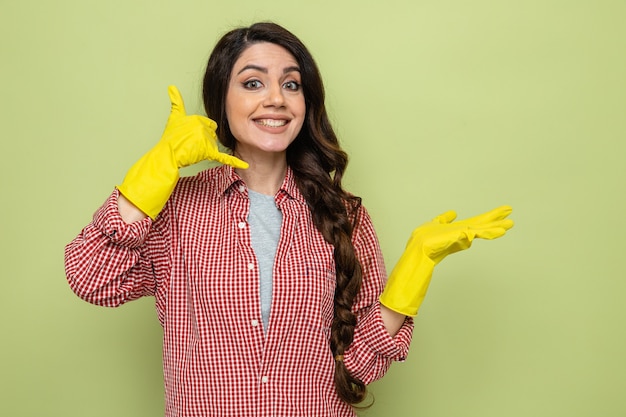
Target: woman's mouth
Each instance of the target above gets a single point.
(271, 122)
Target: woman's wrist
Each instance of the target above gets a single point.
(392, 320)
(129, 212)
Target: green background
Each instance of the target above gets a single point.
(442, 105)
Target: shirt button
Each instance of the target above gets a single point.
(242, 188)
(264, 379)
(250, 266)
(241, 225)
(254, 323)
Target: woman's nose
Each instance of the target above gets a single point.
(275, 96)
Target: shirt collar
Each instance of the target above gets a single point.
(228, 178)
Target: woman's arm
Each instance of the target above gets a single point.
(111, 262)
(381, 336)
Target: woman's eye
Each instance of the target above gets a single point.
(252, 84)
(292, 85)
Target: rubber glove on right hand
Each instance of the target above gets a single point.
(186, 140)
(429, 244)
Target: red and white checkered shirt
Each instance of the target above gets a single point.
(197, 260)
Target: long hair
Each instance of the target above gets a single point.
(318, 164)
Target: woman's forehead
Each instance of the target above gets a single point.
(265, 54)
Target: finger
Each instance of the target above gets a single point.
(490, 234)
(496, 214)
(494, 230)
(501, 212)
(507, 224)
(460, 240)
(208, 123)
(445, 218)
(178, 106)
(233, 161)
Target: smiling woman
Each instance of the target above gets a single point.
(266, 272)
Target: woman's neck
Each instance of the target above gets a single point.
(265, 175)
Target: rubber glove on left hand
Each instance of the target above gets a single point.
(429, 244)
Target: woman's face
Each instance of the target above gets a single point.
(265, 104)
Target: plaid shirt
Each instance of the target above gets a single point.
(196, 259)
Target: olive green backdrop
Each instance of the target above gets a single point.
(442, 105)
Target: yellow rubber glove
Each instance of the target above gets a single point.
(186, 140)
(429, 244)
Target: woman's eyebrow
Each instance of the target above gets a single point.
(253, 67)
(265, 71)
(291, 69)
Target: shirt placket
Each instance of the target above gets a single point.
(250, 312)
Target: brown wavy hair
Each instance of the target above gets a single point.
(318, 163)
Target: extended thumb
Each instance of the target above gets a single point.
(178, 106)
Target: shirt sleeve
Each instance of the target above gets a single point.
(373, 350)
(111, 262)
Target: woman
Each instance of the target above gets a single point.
(266, 273)
(266, 279)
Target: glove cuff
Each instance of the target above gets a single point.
(150, 182)
(407, 284)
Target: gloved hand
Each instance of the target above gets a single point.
(429, 244)
(186, 140)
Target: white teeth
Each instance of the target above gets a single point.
(272, 122)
